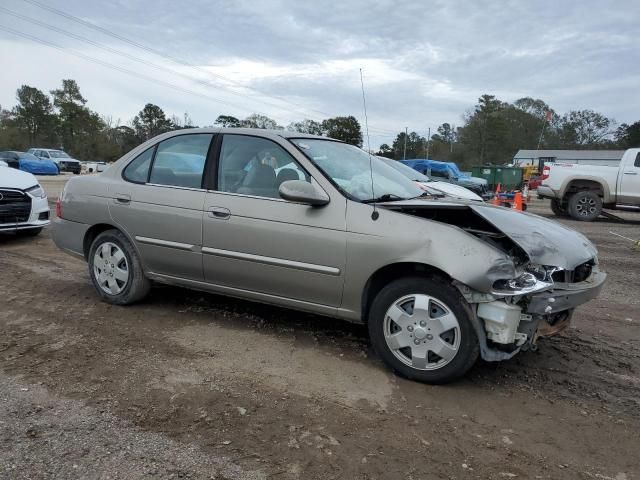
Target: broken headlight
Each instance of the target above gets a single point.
(527, 282)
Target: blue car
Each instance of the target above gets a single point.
(29, 163)
(449, 172)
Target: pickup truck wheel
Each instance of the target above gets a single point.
(556, 208)
(421, 328)
(585, 206)
(115, 269)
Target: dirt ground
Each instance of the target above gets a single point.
(191, 385)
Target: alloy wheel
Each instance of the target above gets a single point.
(586, 206)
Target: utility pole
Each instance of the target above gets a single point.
(404, 155)
(428, 141)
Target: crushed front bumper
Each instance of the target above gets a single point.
(566, 296)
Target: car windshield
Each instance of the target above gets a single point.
(349, 168)
(58, 154)
(407, 171)
(27, 156)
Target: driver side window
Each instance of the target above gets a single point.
(255, 166)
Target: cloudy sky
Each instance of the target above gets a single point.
(424, 63)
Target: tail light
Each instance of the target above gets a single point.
(58, 208)
(545, 172)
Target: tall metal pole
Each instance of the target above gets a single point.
(406, 133)
(428, 142)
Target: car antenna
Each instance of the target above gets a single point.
(374, 214)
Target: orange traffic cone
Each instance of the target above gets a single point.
(517, 201)
(496, 197)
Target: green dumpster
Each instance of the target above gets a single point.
(509, 178)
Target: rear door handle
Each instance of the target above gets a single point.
(220, 213)
(123, 198)
(630, 173)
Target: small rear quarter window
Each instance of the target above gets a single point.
(138, 169)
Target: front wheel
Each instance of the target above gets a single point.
(421, 328)
(116, 270)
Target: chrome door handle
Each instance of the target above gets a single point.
(220, 213)
(630, 173)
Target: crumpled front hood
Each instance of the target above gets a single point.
(546, 242)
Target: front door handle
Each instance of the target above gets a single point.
(220, 213)
(123, 198)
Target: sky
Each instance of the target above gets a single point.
(423, 63)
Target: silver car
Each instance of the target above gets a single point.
(337, 233)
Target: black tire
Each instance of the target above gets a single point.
(585, 206)
(442, 291)
(137, 285)
(29, 232)
(556, 208)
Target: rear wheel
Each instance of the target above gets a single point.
(421, 328)
(556, 208)
(585, 206)
(116, 270)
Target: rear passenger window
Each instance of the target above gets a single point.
(180, 160)
(637, 162)
(138, 170)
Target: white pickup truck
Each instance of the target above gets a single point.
(582, 191)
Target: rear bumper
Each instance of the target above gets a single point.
(69, 236)
(545, 192)
(74, 168)
(568, 297)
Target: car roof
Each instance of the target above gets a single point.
(262, 132)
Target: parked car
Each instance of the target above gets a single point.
(24, 208)
(449, 172)
(93, 167)
(438, 282)
(444, 189)
(29, 163)
(65, 162)
(582, 191)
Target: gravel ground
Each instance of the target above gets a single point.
(190, 385)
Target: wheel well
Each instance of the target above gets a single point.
(389, 273)
(581, 185)
(91, 234)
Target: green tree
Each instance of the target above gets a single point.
(306, 126)
(256, 120)
(151, 121)
(385, 151)
(79, 128)
(227, 121)
(11, 136)
(628, 136)
(34, 114)
(416, 146)
(585, 128)
(346, 129)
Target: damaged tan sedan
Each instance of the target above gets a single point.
(314, 224)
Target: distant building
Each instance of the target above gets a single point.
(586, 157)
